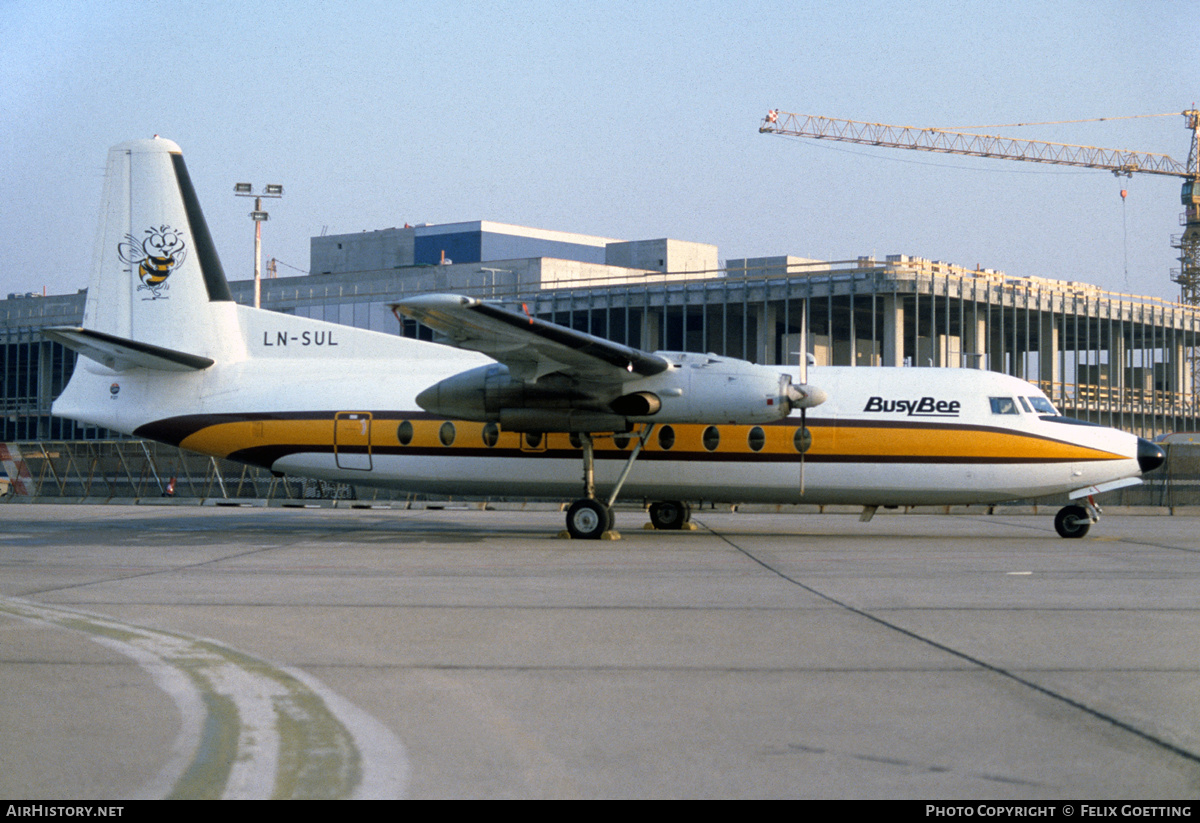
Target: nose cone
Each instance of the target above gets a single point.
(1150, 456)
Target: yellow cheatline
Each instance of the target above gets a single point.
(223, 439)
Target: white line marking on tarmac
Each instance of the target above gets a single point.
(248, 729)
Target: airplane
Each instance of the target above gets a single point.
(511, 405)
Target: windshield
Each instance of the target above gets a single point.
(1042, 405)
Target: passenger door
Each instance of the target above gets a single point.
(352, 440)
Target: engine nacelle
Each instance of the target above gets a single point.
(697, 388)
(705, 388)
(484, 393)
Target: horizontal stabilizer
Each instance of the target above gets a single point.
(119, 353)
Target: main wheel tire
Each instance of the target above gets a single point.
(1072, 521)
(670, 515)
(587, 519)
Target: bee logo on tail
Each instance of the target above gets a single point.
(156, 257)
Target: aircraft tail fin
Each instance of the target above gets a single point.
(157, 285)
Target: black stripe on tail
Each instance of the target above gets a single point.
(206, 252)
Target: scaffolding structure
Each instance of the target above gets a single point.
(107, 470)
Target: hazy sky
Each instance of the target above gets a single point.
(631, 120)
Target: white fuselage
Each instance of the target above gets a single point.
(332, 402)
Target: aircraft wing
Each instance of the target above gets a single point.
(531, 348)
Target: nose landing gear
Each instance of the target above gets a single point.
(1074, 521)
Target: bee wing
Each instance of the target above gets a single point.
(131, 251)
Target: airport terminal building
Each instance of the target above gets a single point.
(1118, 360)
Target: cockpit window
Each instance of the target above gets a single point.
(1025, 405)
(1042, 405)
(1003, 405)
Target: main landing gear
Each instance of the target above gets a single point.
(589, 518)
(670, 515)
(1074, 521)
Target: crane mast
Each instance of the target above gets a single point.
(1118, 161)
(1188, 243)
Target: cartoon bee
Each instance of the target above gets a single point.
(159, 254)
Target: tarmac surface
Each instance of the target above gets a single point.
(155, 651)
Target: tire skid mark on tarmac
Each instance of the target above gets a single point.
(248, 729)
(961, 655)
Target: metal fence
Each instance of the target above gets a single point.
(119, 470)
(108, 470)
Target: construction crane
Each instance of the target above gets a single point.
(1119, 162)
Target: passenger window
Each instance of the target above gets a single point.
(802, 439)
(491, 435)
(404, 433)
(1003, 405)
(757, 438)
(446, 433)
(666, 437)
(533, 439)
(711, 438)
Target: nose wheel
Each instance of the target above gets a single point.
(1074, 521)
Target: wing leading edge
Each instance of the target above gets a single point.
(531, 348)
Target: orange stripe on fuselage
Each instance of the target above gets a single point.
(222, 439)
(958, 442)
(854, 441)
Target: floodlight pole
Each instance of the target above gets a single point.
(259, 217)
(258, 252)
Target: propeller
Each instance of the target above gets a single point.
(803, 396)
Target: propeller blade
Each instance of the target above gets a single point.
(803, 430)
(800, 395)
(802, 374)
(803, 370)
